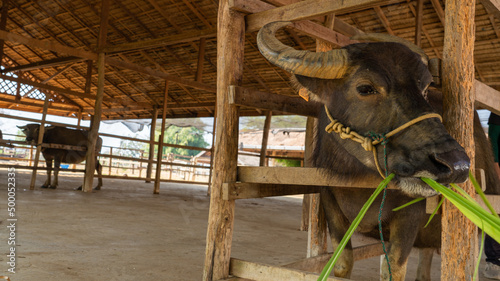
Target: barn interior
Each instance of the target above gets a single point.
(148, 59)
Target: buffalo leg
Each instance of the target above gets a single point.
(57, 166)
(337, 225)
(48, 163)
(98, 168)
(403, 232)
(424, 264)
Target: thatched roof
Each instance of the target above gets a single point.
(151, 41)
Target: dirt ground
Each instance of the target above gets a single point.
(124, 232)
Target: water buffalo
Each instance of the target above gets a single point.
(374, 87)
(64, 136)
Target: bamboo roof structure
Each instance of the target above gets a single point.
(50, 48)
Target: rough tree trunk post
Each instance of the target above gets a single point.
(39, 141)
(151, 154)
(230, 50)
(459, 236)
(160, 142)
(265, 138)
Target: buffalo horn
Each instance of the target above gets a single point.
(21, 127)
(326, 65)
(380, 37)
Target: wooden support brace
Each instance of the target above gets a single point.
(263, 272)
(286, 104)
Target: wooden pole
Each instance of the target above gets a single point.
(201, 58)
(110, 159)
(151, 154)
(419, 22)
(160, 141)
(230, 51)
(459, 236)
(317, 230)
(3, 25)
(265, 138)
(96, 118)
(39, 141)
(212, 152)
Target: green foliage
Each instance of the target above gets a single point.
(288, 162)
(189, 136)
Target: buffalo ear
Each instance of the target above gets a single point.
(317, 87)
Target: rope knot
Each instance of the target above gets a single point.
(378, 138)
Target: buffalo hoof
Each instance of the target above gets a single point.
(79, 188)
(52, 187)
(97, 188)
(45, 186)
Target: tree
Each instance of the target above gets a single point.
(189, 136)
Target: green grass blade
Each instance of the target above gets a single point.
(408, 204)
(336, 254)
(435, 211)
(481, 194)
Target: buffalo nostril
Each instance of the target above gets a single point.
(452, 166)
(404, 169)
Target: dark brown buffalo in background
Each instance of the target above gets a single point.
(64, 136)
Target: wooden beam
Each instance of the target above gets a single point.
(263, 272)
(459, 249)
(245, 190)
(184, 37)
(160, 74)
(301, 176)
(305, 10)
(201, 58)
(279, 103)
(306, 27)
(492, 6)
(317, 263)
(487, 97)
(47, 45)
(230, 61)
(43, 64)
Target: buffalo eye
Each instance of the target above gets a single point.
(366, 90)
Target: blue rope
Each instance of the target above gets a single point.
(383, 141)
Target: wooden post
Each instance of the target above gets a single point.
(39, 141)
(230, 51)
(265, 138)
(459, 236)
(212, 151)
(110, 159)
(3, 25)
(151, 154)
(140, 163)
(201, 58)
(160, 141)
(96, 118)
(31, 155)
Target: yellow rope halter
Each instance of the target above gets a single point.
(366, 142)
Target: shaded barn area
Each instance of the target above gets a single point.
(149, 59)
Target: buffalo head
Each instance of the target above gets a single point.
(30, 131)
(373, 88)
